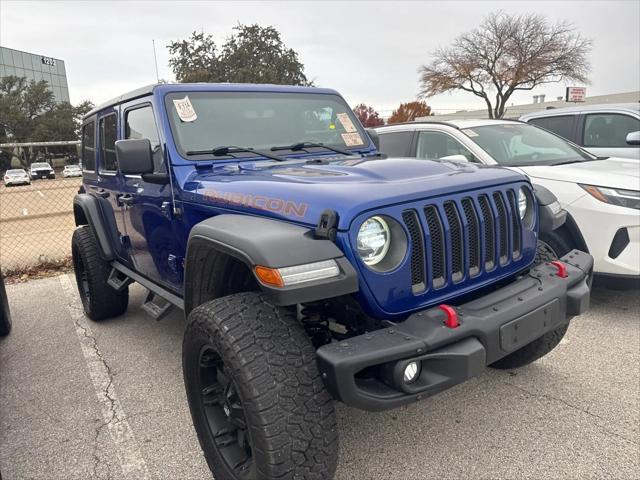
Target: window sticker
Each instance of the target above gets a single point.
(185, 109)
(352, 139)
(470, 133)
(346, 122)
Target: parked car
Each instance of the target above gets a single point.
(16, 176)
(309, 266)
(5, 313)
(72, 171)
(607, 130)
(601, 196)
(41, 170)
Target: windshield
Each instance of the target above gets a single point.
(518, 144)
(261, 120)
(40, 165)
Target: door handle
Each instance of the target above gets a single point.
(100, 192)
(125, 199)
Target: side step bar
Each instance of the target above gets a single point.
(122, 276)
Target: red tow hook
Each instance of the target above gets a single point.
(562, 268)
(452, 316)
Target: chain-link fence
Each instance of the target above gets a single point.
(36, 222)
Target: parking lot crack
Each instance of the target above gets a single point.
(547, 396)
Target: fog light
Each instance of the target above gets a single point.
(411, 372)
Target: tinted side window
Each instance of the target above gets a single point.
(435, 145)
(396, 144)
(561, 125)
(140, 123)
(608, 129)
(108, 136)
(89, 147)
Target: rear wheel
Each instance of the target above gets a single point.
(257, 401)
(99, 299)
(5, 314)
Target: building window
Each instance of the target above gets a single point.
(89, 147)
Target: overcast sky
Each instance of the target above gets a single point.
(369, 51)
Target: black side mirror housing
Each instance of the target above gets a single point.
(374, 138)
(134, 156)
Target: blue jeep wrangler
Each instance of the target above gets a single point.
(309, 266)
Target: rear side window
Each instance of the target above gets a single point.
(608, 129)
(140, 123)
(89, 147)
(396, 144)
(108, 136)
(561, 125)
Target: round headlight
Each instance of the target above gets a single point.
(373, 240)
(523, 202)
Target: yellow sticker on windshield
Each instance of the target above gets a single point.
(352, 139)
(346, 122)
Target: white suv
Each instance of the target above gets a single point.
(602, 196)
(607, 130)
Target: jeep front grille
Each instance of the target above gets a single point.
(458, 239)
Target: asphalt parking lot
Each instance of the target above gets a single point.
(84, 400)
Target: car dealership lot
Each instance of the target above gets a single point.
(85, 400)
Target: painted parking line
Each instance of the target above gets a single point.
(131, 460)
(40, 193)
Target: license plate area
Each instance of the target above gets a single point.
(521, 331)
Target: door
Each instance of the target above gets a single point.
(149, 221)
(99, 172)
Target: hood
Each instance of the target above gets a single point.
(612, 172)
(300, 190)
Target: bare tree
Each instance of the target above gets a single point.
(507, 53)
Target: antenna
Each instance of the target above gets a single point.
(155, 59)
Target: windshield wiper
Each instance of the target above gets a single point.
(296, 147)
(567, 162)
(230, 150)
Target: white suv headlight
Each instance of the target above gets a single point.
(374, 239)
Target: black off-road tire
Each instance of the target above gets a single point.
(533, 351)
(267, 358)
(5, 313)
(99, 299)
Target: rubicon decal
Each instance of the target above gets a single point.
(259, 202)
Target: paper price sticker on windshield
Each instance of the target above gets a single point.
(185, 109)
(346, 122)
(352, 139)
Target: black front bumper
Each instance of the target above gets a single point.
(363, 371)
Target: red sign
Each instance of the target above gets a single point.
(576, 94)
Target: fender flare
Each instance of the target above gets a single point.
(87, 211)
(550, 219)
(265, 242)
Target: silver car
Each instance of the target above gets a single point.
(16, 176)
(607, 130)
(71, 171)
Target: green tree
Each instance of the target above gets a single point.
(252, 54)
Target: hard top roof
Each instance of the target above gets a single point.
(162, 88)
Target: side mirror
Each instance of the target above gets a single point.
(373, 135)
(633, 138)
(134, 156)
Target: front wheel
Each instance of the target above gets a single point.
(257, 401)
(532, 351)
(551, 246)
